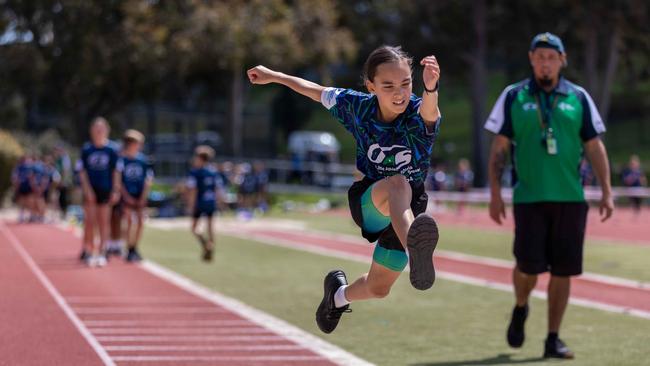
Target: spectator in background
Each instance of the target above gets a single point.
(63, 165)
(440, 178)
(51, 181)
(99, 174)
(137, 178)
(463, 180)
(634, 177)
(247, 190)
(20, 179)
(587, 173)
(202, 197)
(261, 186)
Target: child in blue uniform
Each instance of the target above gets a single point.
(394, 130)
(100, 182)
(137, 177)
(202, 185)
(21, 178)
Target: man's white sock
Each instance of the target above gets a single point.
(339, 297)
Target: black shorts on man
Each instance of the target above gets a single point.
(549, 236)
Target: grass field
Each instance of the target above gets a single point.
(453, 324)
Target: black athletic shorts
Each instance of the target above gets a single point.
(198, 212)
(102, 196)
(549, 236)
(387, 238)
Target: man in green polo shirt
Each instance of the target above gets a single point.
(546, 124)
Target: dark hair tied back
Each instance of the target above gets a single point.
(382, 55)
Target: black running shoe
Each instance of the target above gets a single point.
(327, 314)
(207, 254)
(133, 256)
(516, 333)
(83, 256)
(555, 348)
(421, 242)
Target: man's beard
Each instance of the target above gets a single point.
(545, 82)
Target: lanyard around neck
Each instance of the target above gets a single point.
(545, 119)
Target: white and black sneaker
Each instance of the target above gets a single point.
(327, 314)
(555, 348)
(421, 241)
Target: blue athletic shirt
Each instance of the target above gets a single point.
(206, 182)
(384, 149)
(135, 172)
(99, 164)
(22, 174)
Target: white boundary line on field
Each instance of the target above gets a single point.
(92, 341)
(276, 325)
(291, 244)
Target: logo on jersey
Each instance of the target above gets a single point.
(98, 160)
(133, 171)
(396, 156)
(529, 106)
(566, 107)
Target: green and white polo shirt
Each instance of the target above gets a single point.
(539, 176)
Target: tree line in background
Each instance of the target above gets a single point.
(78, 59)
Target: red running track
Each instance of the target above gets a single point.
(588, 290)
(133, 316)
(625, 226)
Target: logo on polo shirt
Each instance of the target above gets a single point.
(566, 107)
(529, 106)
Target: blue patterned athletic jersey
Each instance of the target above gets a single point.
(135, 173)
(206, 182)
(99, 164)
(384, 149)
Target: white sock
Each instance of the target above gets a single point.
(339, 297)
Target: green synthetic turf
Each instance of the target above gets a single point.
(452, 324)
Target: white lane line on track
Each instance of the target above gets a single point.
(96, 324)
(291, 244)
(252, 348)
(92, 341)
(135, 300)
(256, 359)
(279, 326)
(147, 310)
(255, 329)
(182, 338)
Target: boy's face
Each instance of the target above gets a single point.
(197, 162)
(133, 147)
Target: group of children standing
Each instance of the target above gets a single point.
(33, 180)
(116, 183)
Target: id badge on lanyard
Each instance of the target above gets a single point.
(548, 137)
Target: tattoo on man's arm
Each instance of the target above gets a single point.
(499, 163)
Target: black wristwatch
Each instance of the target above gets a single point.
(435, 89)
